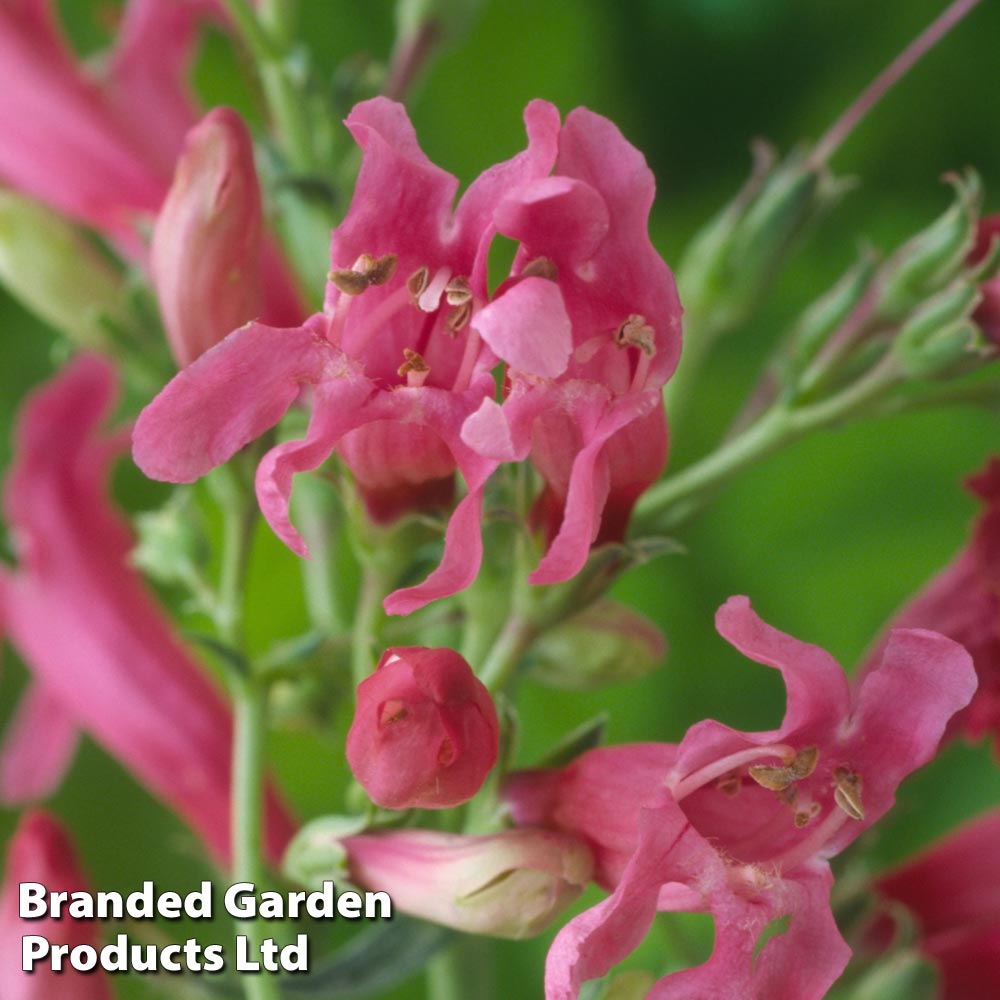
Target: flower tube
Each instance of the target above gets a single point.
(104, 658)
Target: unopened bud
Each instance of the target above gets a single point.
(317, 851)
(510, 885)
(829, 312)
(57, 273)
(205, 256)
(732, 262)
(940, 338)
(425, 732)
(172, 546)
(606, 643)
(931, 260)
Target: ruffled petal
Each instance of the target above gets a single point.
(599, 938)
(528, 328)
(816, 685)
(227, 398)
(901, 713)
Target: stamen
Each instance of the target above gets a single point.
(692, 782)
(803, 817)
(730, 783)
(777, 779)
(457, 292)
(459, 317)
(468, 365)
(414, 369)
(417, 282)
(540, 267)
(430, 298)
(847, 792)
(636, 332)
(348, 281)
(367, 270)
(810, 845)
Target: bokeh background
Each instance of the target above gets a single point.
(827, 538)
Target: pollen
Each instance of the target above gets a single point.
(636, 332)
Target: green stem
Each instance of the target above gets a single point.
(366, 619)
(249, 734)
(270, 48)
(464, 970)
(249, 710)
(677, 498)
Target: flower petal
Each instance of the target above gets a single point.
(228, 397)
(528, 328)
(38, 747)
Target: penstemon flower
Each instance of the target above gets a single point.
(741, 824)
(394, 364)
(40, 851)
(104, 657)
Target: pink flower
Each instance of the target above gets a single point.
(40, 851)
(599, 335)
(205, 255)
(963, 603)
(392, 368)
(741, 823)
(98, 149)
(510, 884)
(987, 315)
(953, 891)
(105, 658)
(425, 731)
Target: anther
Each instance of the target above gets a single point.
(775, 779)
(730, 783)
(457, 291)
(418, 281)
(367, 270)
(414, 369)
(804, 763)
(847, 792)
(636, 332)
(540, 267)
(392, 711)
(459, 317)
(805, 816)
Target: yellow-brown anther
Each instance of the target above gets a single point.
(804, 763)
(805, 816)
(414, 369)
(459, 317)
(636, 332)
(847, 792)
(540, 267)
(418, 281)
(730, 783)
(379, 271)
(457, 291)
(367, 271)
(775, 779)
(348, 281)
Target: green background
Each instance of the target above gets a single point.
(828, 538)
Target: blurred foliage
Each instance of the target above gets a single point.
(827, 538)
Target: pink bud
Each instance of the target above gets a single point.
(205, 256)
(511, 884)
(425, 732)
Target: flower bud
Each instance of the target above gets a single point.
(939, 339)
(425, 732)
(511, 884)
(56, 272)
(605, 643)
(928, 262)
(205, 257)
